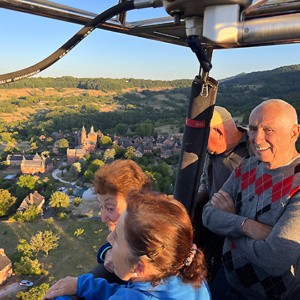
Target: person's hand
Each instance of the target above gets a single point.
(64, 287)
(108, 263)
(223, 201)
(256, 230)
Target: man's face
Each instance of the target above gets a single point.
(216, 141)
(270, 137)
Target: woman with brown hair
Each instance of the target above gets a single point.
(112, 184)
(153, 250)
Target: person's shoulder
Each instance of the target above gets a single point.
(296, 160)
(247, 165)
(295, 165)
(249, 161)
(204, 292)
(129, 294)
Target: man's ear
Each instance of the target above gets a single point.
(295, 132)
(220, 133)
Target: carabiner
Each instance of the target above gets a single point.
(204, 89)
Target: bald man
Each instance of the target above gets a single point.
(227, 146)
(258, 210)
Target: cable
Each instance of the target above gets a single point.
(69, 45)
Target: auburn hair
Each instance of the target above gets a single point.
(159, 227)
(120, 177)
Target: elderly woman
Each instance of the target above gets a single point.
(112, 184)
(157, 258)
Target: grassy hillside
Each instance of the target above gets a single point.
(39, 106)
(74, 256)
(37, 101)
(241, 93)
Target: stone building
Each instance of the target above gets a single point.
(14, 159)
(88, 141)
(32, 199)
(36, 164)
(5, 267)
(74, 155)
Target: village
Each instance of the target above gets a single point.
(54, 164)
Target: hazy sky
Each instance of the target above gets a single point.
(26, 39)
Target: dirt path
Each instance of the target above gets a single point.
(10, 291)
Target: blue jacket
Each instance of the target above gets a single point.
(173, 289)
(101, 252)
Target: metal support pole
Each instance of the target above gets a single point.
(194, 144)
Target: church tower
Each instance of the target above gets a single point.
(82, 139)
(92, 136)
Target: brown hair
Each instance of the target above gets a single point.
(159, 227)
(121, 176)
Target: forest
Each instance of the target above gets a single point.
(132, 109)
(103, 84)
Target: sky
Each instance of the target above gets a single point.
(27, 39)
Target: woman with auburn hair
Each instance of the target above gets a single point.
(112, 184)
(157, 258)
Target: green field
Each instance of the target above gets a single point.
(74, 256)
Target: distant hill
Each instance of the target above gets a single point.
(241, 93)
(102, 84)
(36, 106)
(231, 77)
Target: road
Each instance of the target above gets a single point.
(11, 290)
(54, 174)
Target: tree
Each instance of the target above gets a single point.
(130, 152)
(11, 149)
(163, 169)
(26, 266)
(49, 190)
(35, 293)
(95, 165)
(144, 129)
(6, 137)
(19, 192)
(63, 144)
(28, 181)
(119, 150)
(6, 202)
(75, 169)
(149, 155)
(23, 249)
(105, 141)
(59, 200)
(62, 216)
(88, 157)
(88, 176)
(29, 215)
(109, 154)
(83, 163)
(77, 201)
(121, 129)
(46, 153)
(33, 147)
(62, 170)
(44, 241)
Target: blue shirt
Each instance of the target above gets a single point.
(174, 289)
